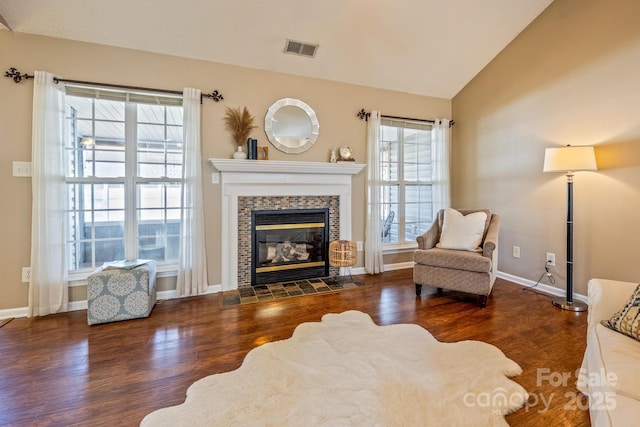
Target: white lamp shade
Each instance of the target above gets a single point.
(569, 159)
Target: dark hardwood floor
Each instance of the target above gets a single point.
(57, 371)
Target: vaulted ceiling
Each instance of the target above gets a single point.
(427, 47)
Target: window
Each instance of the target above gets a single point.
(124, 153)
(406, 171)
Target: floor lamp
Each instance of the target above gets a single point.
(568, 160)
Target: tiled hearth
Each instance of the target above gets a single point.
(278, 291)
(246, 182)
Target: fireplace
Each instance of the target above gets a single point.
(289, 244)
(247, 185)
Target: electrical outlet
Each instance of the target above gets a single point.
(516, 251)
(215, 177)
(359, 245)
(26, 274)
(551, 259)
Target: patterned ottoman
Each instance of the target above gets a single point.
(121, 294)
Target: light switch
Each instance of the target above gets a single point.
(21, 168)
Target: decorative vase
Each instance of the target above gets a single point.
(239, 154)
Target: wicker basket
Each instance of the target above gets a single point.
(342, 253)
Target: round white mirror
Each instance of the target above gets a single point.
(291, 125)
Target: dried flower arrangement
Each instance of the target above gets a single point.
(239, 123)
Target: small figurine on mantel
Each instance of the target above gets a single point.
(345, 154)
(333, 158)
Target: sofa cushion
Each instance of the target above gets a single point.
(462, 232)
(627, 319)
(621, 361)
(459, 260)
(626, 410)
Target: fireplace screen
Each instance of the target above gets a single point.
(289, 245)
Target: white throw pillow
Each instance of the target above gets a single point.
(462, 232)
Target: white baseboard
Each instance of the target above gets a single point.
(387, 267)
(82, 305)
(171, 294)
(551, 290)
(10, 313)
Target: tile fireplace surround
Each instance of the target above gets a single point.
(271, 178)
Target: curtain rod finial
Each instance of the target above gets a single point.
(215, 96)
(363, 115)
(16, 75)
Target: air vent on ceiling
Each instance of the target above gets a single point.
(300, 48)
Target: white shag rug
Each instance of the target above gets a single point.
(347, 371)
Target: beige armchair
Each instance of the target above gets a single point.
(459, 270)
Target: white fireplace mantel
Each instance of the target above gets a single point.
(242, 178)
(279, 166)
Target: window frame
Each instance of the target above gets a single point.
(399, 125)
(131, 181)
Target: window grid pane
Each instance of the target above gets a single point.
(96, 224)
(158, 218)
(389, 213)
(418, 210)
(160, 141)
(389, 155)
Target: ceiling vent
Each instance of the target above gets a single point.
(299, 48)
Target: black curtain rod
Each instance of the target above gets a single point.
(81, 82)
(18, 77)
(364, 115)
(407, 118)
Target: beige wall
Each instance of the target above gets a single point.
(572, 77)
(335, 104)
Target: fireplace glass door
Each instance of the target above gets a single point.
(289, 245)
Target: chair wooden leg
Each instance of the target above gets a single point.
(483, 300)
(418, 289)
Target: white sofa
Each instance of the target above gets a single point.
(610, 373)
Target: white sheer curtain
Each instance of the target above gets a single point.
(373, 262)
(48, 288)
(441, 155)
(192, 260)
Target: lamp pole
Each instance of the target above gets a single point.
(568, 303)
